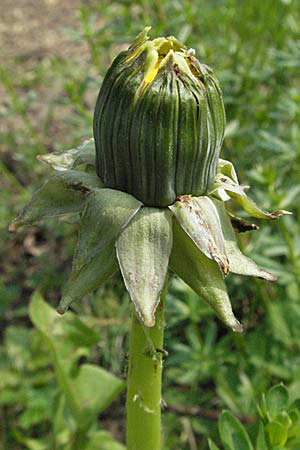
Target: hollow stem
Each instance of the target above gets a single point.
(143, 405)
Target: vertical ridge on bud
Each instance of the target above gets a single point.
(187, 142)
(201, 168)
(118, 69)
(159, 122)
(166, 149)
(121, 135)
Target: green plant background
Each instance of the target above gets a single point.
(49, 95)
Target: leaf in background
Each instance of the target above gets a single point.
(102, 440)
(143, 251)
(212, 445)
(96, 388)
(198, 217)
(37, 410)
(17, 342)
(277, 433)
(296, 404)
(84, 154)
(62, 421)
(238, 262)
(294, 415)
(279, 322)
(277, 399)
(262, 408)
(64, 193)
(232, 432)
(107, 212)
(46, 320)
(261, 443)
(291, 197)
(30, 443)
(202, 275)
(62, 353)
(92, 389)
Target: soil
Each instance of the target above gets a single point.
(32, 29)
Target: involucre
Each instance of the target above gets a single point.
(159, 122)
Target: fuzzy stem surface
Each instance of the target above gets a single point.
(143, 405)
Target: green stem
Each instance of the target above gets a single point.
(143, 405)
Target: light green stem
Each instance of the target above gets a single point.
(143, 405)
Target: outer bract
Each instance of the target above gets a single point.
(159, 122)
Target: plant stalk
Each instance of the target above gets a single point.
(143, 406)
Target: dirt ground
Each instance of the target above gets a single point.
(32, 29)
(31, 32)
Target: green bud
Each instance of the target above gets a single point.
(159, 122)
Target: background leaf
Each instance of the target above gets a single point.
(233, 434)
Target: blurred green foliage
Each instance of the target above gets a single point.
(254, 48)
(70, 397)
(278, 428)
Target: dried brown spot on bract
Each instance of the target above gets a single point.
(242, 225)
(80, 187)
(184, 198)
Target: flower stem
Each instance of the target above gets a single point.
(143, 405)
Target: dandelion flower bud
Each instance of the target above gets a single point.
(159, 122)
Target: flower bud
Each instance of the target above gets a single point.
(159, 122)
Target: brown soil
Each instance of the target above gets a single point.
(37, 28)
